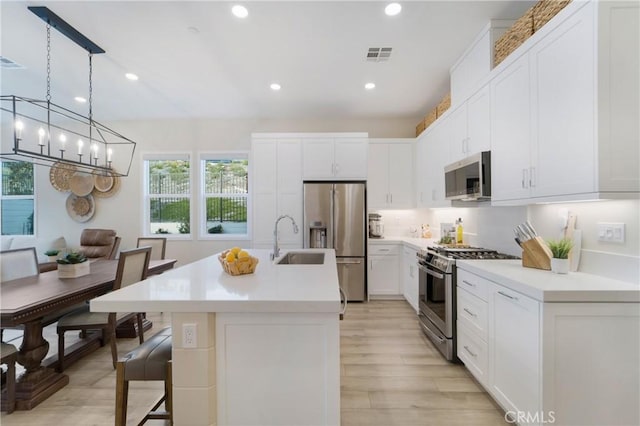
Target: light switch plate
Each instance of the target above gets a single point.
(611, 232)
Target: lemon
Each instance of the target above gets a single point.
(230, 257)
(236, 250)
(243, 254)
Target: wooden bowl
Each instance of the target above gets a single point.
(242, 266)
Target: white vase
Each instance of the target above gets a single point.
(53, 258)
(560, 266)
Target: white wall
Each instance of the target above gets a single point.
(123, 212)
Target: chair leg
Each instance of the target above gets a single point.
(140, 329)
(168, 392)
(122, 395)
(60, 368)
(11, 385)
(112, 340)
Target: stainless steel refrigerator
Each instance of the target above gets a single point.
(335, 217)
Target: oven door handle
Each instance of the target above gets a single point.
(430, 272)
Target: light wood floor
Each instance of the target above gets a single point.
(390, 375)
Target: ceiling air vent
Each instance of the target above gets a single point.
(378, 54)
(8, 63)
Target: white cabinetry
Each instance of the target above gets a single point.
(564, 114)
(390, 176)
(277, 189)
(437, 156)
(410, 277)
(514, 350)
(383, 275)
(469, 127)
(326, 157)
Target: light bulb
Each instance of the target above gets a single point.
(19, 126)
(109, 154)
(80, 143)
(41, 133)
(94, 148)
(63, 140)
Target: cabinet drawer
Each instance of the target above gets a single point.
(474, 284)
(383, 249)
(472, 311)
(473, 352)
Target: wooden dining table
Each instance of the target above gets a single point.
(28, 301)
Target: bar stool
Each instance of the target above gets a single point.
(149, 361)
(9, 356)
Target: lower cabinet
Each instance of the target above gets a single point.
(410, 276)
(568, 363)
(383, 275)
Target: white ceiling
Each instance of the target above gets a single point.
(315, 50)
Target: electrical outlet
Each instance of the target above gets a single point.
(189, 336)
(611, 232)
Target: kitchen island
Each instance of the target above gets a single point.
(267, 345)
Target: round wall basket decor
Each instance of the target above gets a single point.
(60, 175)
(106, 185)
(81, 184)
(80, 209)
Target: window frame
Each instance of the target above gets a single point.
(32, 197)
(146, 198)
(203, 233)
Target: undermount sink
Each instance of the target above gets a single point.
(302, 258)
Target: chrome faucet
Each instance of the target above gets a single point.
(276, 249)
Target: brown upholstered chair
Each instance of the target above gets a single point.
(9, 355)
(149, 361)
(132, 268)
(99, 243)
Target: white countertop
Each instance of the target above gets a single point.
(546, 286)
(203, 286)
(415, 243)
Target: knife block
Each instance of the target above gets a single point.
(536, 254)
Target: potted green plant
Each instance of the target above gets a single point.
(73, 265)
(52, 254)
(560, 250)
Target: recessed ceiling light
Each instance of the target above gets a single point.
(131, 76)
(392, 9)
(370, 86)
(275, 86)
(80, 99)
(240, 11)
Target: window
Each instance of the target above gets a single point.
(167, 194)
(225, 186)
(17, 201)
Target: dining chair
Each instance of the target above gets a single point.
(99, 243)
(18, 263)
(132, 268)
(9, 356)
(158, 246)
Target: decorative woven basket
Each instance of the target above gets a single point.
(242, 266)
(444, 105)
(544, 10)
(431, 117)
(420, 128)
(520, 31)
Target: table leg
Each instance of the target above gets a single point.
(37, 383)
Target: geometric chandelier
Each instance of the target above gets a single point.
(48, 134)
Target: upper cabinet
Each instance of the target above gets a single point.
(469, 126)
(390, 176)
(432, 154)
(564, 113)
(341, 157)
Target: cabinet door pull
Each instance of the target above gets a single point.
(391, 198)
(524, 178)
(383, 249)
(337, 169)
(469, 312)
(468, 283)
(507, 296)
(532, 177)
(470, 352)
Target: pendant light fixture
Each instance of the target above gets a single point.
(49, 134)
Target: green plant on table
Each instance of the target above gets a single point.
(561, 248)
(72, 258)
(52, 252)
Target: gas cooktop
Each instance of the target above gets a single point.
(470, 253)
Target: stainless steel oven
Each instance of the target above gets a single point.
(437, 290)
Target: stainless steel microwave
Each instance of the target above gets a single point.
(469, 179)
